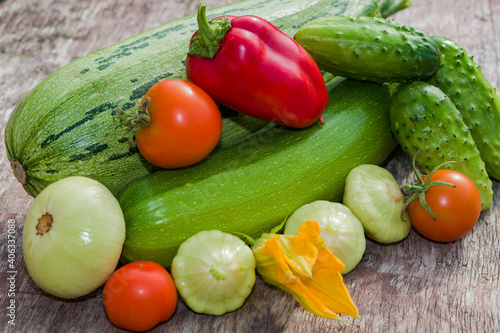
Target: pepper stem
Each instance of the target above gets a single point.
(207, 40)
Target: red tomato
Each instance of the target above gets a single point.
(139, 295)
(456, 209)
(185, 127)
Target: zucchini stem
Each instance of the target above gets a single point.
(273, 231)
(18, 170)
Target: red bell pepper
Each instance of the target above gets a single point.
(249, 65)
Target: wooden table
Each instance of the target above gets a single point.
(412, 286)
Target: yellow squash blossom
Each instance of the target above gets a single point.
(304, 267)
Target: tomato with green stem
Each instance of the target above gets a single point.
(139, 295)
(178, 124)
(448, 205)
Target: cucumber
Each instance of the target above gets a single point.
(462, 80)
(253, 186)
(67, 125)
(370, 48)
(426, 123)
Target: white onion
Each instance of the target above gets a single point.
(374, 196)
(339, 228)
(72, 237)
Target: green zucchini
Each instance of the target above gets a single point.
(253, 186)
(67, 125)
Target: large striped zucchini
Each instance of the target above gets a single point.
(252, 186)
(67, 125)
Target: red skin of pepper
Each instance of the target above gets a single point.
(260, 71)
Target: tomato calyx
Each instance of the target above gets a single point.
(140, 119)
(422, 187)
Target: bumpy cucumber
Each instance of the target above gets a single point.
(253, 186)
(462, 80)
(370, 48)
(67, 125)
(425, 121)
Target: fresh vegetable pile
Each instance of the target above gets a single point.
(261, 154)
(67, 125)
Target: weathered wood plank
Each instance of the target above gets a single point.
(413, 286)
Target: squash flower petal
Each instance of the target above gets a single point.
(303, 266)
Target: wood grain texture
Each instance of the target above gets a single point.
(412, 286)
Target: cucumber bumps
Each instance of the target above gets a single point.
(424, 119)
(370, 49)
(474, 97)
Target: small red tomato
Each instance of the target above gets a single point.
(185, 124)
(456, 209)
(139, 295)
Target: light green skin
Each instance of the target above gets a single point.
(253, 186)
(375, 198)
(423, 119)
(67, 125)
(340, 229)
(214, 272)
(370, 48)
(462, 80)
(81, 249)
